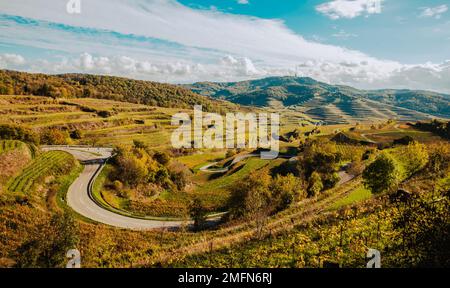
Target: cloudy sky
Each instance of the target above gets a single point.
(364, 43)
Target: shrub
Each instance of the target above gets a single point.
(130, 170)
(198, 213)
(439, 161)
(76, 134)
(139, 144)
(162, 157)
(117, 185)
(16, 132)
(404, 140)
(416, 156)
(54, 137)
(230, 153)
(315, 185)
(355, 168)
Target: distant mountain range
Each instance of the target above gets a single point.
(320, 101)
(330, 103)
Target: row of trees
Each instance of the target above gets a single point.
(50, 136)
(441, 128)
(107, 87)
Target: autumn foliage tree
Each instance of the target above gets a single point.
(260, 195)
(55, 136)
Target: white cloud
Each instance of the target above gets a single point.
(179, 44)
(243, 2)
(344, 35)
(11, 60)
(337, 9)
(435, 12)
(239, 67)
(359, 74)
(168, 20)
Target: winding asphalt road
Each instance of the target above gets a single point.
(78, 197)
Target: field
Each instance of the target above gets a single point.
(355, 196)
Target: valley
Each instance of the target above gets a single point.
(102, 172)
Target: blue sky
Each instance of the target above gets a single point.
(364, 43)
(397, 33)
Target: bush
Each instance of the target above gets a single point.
(139, 144)
(54, 137)
(439, 160)
(198, 213)
(416, 156)
(16, 132)
(117, 185)
(130, 170)
(355, 168)
(135, 165)
(162, 157)
(315, 185)
(404, 140)
(330, 180)
(259, 194)
(230, 153)
(76, 134)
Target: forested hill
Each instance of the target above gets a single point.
(103, 87)
(329, 101)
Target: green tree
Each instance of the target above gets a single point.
(198, 213)
(417, 157)
(285, 190)
(250, 195)
(130, 170)
(381, 175)
(315, 184)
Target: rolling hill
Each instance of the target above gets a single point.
(330, 103)
(104, 87)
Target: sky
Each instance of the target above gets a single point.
(368, 44)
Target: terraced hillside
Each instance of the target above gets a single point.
(53, 162)
(97, 121)
(107, 122)
(329, 103)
